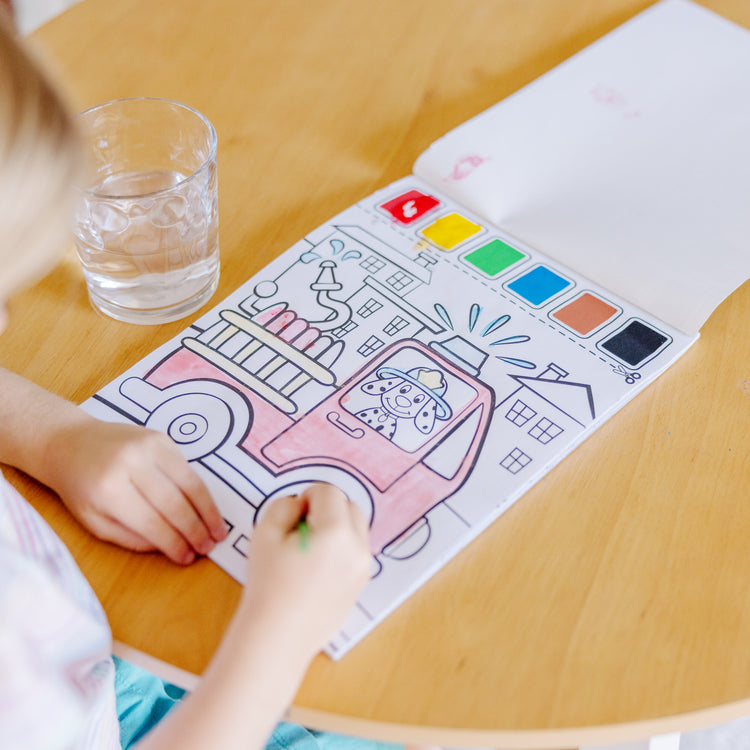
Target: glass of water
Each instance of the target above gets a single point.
(147, 224)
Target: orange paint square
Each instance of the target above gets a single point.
(585, 313)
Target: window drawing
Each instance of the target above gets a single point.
(370, 307)
(399, 280)
(545, 430)
(372, 264)
(370, 346)
(515, 461)
(341, 331)
(397, 324)
(520, 413)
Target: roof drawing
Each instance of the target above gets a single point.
(573, 399)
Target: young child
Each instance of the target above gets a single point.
(132, 487)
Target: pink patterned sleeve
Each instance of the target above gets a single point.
(56, 673)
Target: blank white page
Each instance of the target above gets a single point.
(629, 162)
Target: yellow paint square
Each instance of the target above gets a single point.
(451, 230)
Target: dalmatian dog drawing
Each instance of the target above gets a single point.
(407, 400)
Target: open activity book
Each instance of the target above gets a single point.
(436, 348)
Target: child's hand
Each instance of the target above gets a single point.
(126, 484)
(133, 487)
(305, 585)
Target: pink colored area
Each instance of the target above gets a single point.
(264, 316)
(403, 489)
(183, 365)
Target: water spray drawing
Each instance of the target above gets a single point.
(474, 314)
(337, 248)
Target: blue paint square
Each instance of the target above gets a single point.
(539, 285)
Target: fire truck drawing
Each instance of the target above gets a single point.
(356, 386)
(250, 433)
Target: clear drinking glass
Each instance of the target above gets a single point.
(147, 224)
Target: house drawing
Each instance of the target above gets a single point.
(541, 409)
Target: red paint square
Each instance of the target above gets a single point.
(409, 207)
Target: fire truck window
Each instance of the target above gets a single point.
(408, 398)
(446, 458)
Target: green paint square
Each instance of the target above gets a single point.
(494, 257)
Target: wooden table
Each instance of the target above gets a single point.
(612, 602)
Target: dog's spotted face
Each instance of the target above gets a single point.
(404, 400)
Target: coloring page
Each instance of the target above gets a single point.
(431, 366)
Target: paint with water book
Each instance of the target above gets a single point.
(436, 348)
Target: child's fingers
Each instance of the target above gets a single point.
(359, 521)
(286, 512)
(195, 492)
(155, 536)
(111, 530)
(327, 504)
(167, 500)
(147, 522)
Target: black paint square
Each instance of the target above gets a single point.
(635, 342)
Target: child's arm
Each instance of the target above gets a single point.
(296, 599)
(126, 484)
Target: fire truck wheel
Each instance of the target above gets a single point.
(200, 422)
(296, 481)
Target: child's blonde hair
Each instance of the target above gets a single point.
(39, 161)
